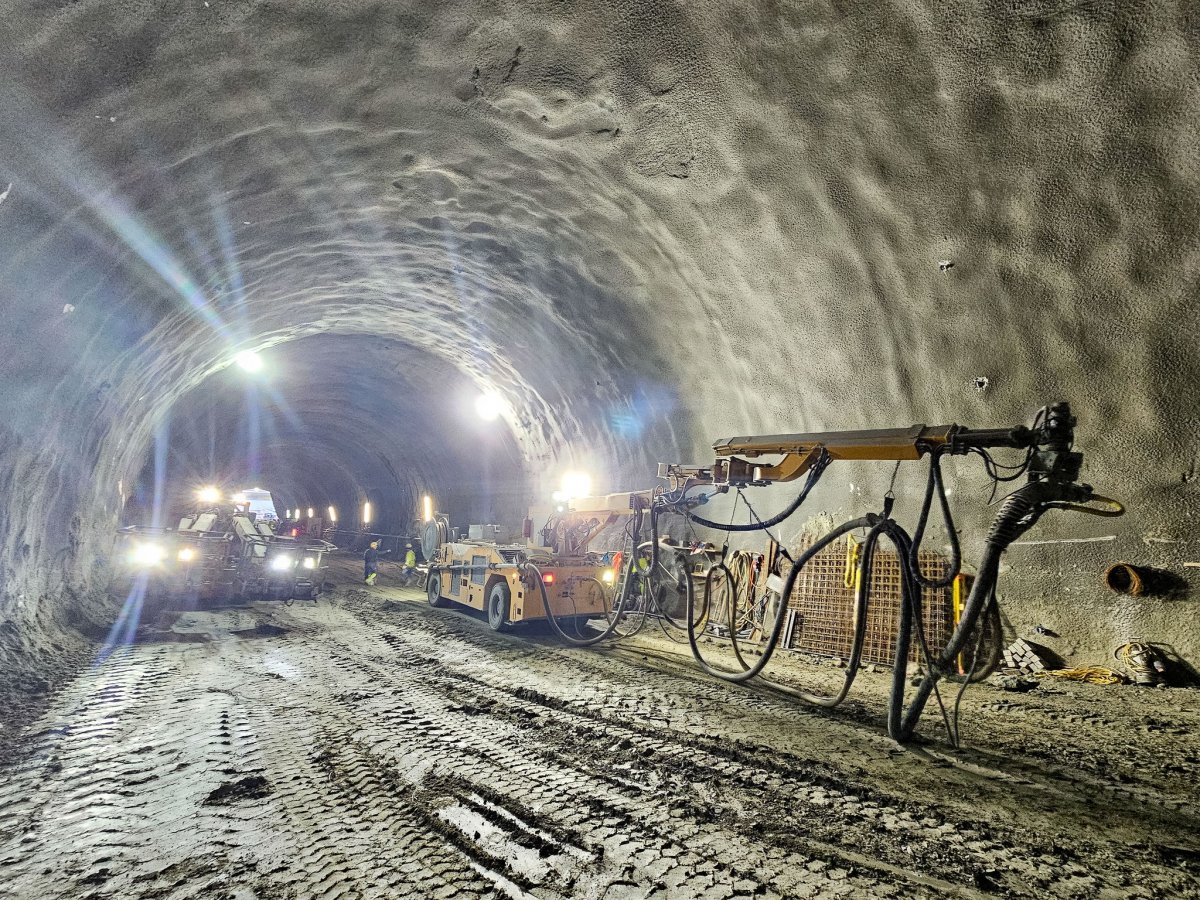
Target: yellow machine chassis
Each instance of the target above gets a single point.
(468, 572)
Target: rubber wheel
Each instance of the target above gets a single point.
(433, 589)
(497, 606)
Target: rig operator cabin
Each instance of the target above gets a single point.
(574, 450)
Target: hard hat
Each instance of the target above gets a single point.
(408, 546)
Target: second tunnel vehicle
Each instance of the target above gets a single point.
(496, 578)
(518, 582)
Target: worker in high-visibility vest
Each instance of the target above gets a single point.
(409, 572)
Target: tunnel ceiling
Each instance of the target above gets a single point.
(647, 224)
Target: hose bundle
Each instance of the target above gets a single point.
(1019, 512)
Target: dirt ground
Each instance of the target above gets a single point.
(369, 746)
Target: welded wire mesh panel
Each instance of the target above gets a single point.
(823, 602)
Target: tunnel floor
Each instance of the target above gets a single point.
(368, 746)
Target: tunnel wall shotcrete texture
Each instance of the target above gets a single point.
(647, 224)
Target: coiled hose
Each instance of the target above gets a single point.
(1020, 511)
(780, 614)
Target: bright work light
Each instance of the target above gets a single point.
(146, 555)
(489, 406)
(208, 494)
(576, 484)
(249, 361)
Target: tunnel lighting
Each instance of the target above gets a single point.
(426, 508)
(249, 361)
(367, 513)
(310, 512)
(148, 555)
(309, 562)
(609, 576)
(576, 484)
(289, 514)
(208, 494)
(282, 563)
(332, 514)
(547, 578)
(187, 554)
(489, 406)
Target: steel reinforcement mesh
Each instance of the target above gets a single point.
(823, 603)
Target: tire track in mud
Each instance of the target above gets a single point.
(571, 728)
(583, 740)
(368, 755)
(119, 769)
(635, 837)
(898, 833)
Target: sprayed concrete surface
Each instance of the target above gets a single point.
(647, 224)
(368, 746)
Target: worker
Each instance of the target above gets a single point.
(409, 572)
(371, 563)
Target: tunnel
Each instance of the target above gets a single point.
(302, 246)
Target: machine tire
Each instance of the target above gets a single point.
(433, 589)
(497, 606)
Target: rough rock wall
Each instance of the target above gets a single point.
(648, 224)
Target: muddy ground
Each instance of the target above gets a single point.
(369, 746)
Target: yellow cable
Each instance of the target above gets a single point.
(1086, 674)
(851, 575)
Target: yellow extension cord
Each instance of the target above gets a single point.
(1086, 674)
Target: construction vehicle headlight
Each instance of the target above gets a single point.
(608, 577)
(148, 554)
(208, 494)
(310, 562)
(187, 554)
(282, 563)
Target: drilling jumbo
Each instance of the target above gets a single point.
(515, 582)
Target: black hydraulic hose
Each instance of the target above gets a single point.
(914, 555)
(533, 571)
(868, 521)
(655, 596)
(1017, 515)
(862, 599)
(984, 665)
(732, 619)
(814, 475)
